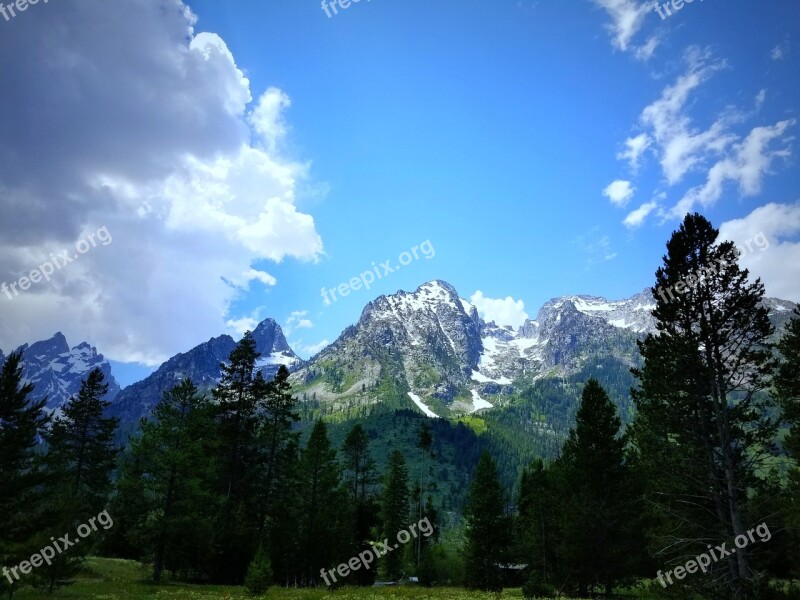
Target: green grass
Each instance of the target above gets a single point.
(110, 579)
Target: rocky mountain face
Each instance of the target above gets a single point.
(201, 364)
(430, 348)
(56, 370)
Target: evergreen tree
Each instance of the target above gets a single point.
(322, 505)
(282, 536)
(787, 383)
(275, 434)
(394, 511)
(424, 443)
(487, 532)
(593, 499)
(239, 398)
(360, 478)
(174, 455)
(21, 422)
(704, 426)
(787, 386)
(81, 452)
(536, 534)
(259, 573)
(80, 458)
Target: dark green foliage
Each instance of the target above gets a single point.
(259, 573)
(239, 398)
(81, 456)
(21, 421)
(593, 498)
(487, 540)
(81, 453)
(172, 470)
(703, 427)
(395, 511)
(360, 478)
(322, 506)
(787, 387)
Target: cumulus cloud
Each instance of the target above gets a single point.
(619, 192)
(126, 117)
(777, 262)
(503, 311)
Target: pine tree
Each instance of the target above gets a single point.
(536, 534)
(174, 454)
(21, 422)
(487, 533)
(322, 505)
(359, 478)
(703, 425)
(424, 443)
(593, 499)
(81, 450)
(239, 398)
(80, 458)
(394, 511)
(787, 383)
(787, 387)
(275, 434)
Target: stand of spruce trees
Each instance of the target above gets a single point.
(230, 487)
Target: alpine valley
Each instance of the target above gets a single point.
(415, 354)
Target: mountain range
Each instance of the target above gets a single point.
(426, 350)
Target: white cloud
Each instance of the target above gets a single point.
(746, 166)
(242, 325)
(296, 321)
(760, 98)
(619, 192)
(716, 153)
(262, 276)
(637, 217)
(311, 349)
(682, 146)
(780, 51)
(503, 311)
(646, 50)
(627, 18)
(634, 148)
(777, 261)
(157, 141)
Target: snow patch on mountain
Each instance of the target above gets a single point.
(479, 403)
(422, 406)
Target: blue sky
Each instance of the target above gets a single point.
(542, 148)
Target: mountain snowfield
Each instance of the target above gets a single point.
(427, 349)
(451, 360)
(56, 370)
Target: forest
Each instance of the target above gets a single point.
(691, 491)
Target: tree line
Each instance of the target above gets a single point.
(222, 488)
(712, 452)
